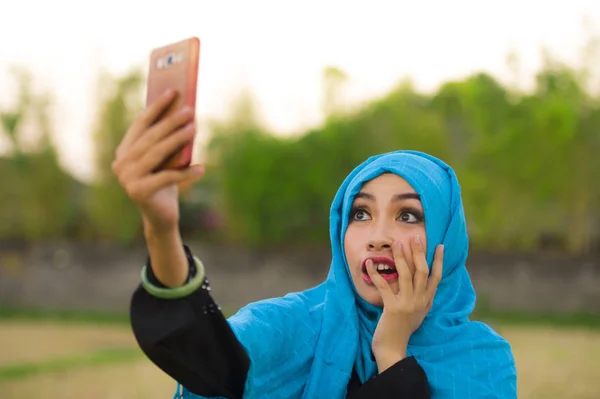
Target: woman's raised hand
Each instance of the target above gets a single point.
(404, 311)
(149, 141)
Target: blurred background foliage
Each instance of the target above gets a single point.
(527, 161)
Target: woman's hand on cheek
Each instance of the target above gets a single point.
(404, 312)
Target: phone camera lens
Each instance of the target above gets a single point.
(170, 60)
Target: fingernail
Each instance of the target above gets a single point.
(442, 248)
(186, 111)
(418, 239)
(168, 93)
(197, 169)
(397, 245)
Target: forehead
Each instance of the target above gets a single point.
(387, 182)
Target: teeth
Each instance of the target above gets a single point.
(381, 267)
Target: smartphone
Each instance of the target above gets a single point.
(175, 66)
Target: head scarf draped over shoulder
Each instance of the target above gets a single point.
(305, 345)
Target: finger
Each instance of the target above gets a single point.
(430, 301)
(407, 250)
(156, 155)
(404, 275)
(436, 272)
(185, 185)
(146, 187)
(421, 269)
(153, 111)
(162, 129)
(145, 119)
(382, 286)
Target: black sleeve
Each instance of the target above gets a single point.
(404, 380)
(190, 340)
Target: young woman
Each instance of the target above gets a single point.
(383, 324)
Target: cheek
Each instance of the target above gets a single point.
(349, 244)
(352, 246)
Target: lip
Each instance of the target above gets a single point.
(386, 260)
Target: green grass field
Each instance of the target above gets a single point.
(62, 358)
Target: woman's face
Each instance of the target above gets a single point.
(386, 209)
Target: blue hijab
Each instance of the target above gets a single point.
(305, 344)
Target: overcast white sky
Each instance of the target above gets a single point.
(277, 48)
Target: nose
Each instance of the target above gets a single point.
(380, 240)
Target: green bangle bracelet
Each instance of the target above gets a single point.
(178, 292)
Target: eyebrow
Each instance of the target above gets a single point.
(397, 197)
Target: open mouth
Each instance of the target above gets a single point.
(385, 267)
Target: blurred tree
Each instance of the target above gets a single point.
(112, 215)
(525, 160)
(334, 81)
(237, 163)
(36, 202)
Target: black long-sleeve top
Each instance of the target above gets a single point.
(190, 340)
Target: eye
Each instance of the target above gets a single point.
(360, 215)
(409, 217)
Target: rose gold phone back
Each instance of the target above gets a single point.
(175, 67)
